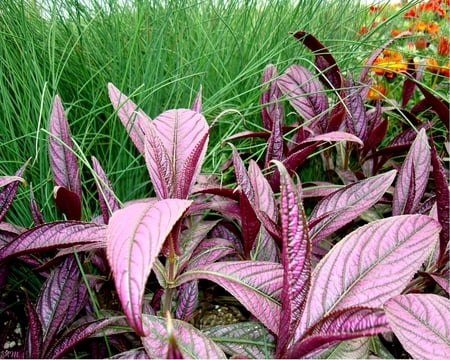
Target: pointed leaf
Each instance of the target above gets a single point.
(33, 341)
(304, 92)
(55, 235)
(440, 106)
(197, 104)
(10, 183)
(175, 145)
(62, 297)
(364, 269)
(341, 325)
(295, 258)
(443, 204)
(255, 284)
(62, 158)
(333, 136)
(6, 180)
(421, 323)
(132, 118)
(355, 115)
(107, 199)
(249, 339)
(187, 300)
(415, 170)
(36, 213)
(346, 204)
(76, 335)
(192, 343)
(68, 202)
(348, 349)
(135, 237)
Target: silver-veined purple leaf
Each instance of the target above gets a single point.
(33, 339)
(187, 300)
(107, 199)
(175, 145)
(415, 169)
(62, 158)
(346, 204)
(295, 258)
(264, 197)
(249, 339)
(77, 334)
(269, 97)
(211, 250)
(421, 323)
(255, 284)
(132, 118)
(344, 324)
(304, 92)
(62, 297)
(52, 235)
(6, 180)
(370, 265)
(355, 114)
(192, 343)
(136, 235)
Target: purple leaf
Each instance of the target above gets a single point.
(304, 92)
(271, 110)
(324, 61)
(364, 269)
(421, 323)
(439, 106)
(107, 199)
(35, 210)
(62, 297)
(442, 202)
(55, 235)
(62, 158)
(68, 202)
(136, 235)
(295, 258)
(346, 204)
(197, 104)
(33, 341)
(347, 349)
(192, 343)
(132, 118)
(10, 184)
(264, 197)
(211, 250)
(415, 170)
(249, 339)
(76, 335)
(340, 325)
(355, 115)
(255, 284)
(187, 300)
(175, 145)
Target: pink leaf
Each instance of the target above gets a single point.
(346, 204)
(175, 145)
(304, 92)
(133, 118)
(10, 184)
(333, 136)
(62, 158)
(421, 323)
(136, 235)
(192, 343)
(296, 260)
(415, 169)
(370, 265)
(54, 235)
(197, 104)
(255, 284)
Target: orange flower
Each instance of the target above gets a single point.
(432, 65)
(443, 47)
(376, 92)
(432, 28)
(389, 63)
(411, 13)
(445, 70)
(420, 26)
(432, 6)
(395, 32)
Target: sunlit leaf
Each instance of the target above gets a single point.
(421, 322)
(136, 235)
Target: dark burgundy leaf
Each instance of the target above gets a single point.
(250, 224)
(248, 134)
(439, 105)
(442, 202)
(324, 61)
(409, 85)
(35, 211)
(68, 202)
